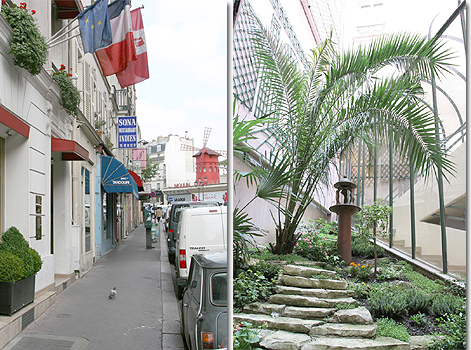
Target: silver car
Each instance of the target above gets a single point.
(204, 303)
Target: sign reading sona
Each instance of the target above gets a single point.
(127, 132)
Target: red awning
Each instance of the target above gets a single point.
(68, 9)
(11, 122)
(70, 149)
(137, 179)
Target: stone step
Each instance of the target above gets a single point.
(303, 282)
(288, 311)
(359, 315)
(289, 324)
(310, 292)
(281, 340)
(300, 300)
(344, 330)
(307, 312)
(306, 271)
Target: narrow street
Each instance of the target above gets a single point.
(144, 314)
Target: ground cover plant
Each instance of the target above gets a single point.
(405, 303)
(402, 301)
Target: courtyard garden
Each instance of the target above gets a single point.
(402, 302)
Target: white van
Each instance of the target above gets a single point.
(200, 230)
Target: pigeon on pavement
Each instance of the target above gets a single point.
(113, 293)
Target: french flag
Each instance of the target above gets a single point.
(115, 58)
(138, 70)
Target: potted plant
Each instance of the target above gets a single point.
(18, 267)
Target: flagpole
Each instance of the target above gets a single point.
(52, 39)
(56, 35)
(64, 40)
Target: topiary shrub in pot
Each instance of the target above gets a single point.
(18, 267)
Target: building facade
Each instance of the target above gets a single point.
(55, 159)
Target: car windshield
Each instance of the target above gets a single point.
(219, 288)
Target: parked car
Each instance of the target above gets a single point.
(200, 230)
(173, 218)
(204, 304)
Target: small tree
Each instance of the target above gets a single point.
(373, 218)
(150, 171)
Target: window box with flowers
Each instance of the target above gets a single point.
(28, 45)
(69, 93)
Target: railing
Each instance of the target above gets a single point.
(122, 99)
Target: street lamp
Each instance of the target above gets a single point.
(201, 183)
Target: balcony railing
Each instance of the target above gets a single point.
(122, 100)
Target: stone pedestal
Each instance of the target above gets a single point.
(345, 210)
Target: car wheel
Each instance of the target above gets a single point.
(180, 292)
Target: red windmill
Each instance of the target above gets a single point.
(207, 161)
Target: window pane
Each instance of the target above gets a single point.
(219, 288)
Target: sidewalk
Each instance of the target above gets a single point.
(144, 315)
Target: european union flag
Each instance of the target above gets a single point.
(95, 27)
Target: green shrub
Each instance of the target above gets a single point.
(314, 245)
(13, 242)
(446, 304)
(453, 335)
(388, 302)
(270, 271)
(328, 228)
(245, 337)
(251, 286)
(11, 267)
(361, 290)
(363, 248)
(419, 319)
(37, 262)
(389, 328)
(391, 272)
(419, 280)
(265, 254)
(362, 272)
(417, 301)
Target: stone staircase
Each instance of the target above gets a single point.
(313, 310)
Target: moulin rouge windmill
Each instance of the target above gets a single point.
(207, 161)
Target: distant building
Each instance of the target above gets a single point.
(175, 166)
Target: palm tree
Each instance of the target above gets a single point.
(322, 109)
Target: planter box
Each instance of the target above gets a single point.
(14, 296)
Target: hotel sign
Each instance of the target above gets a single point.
(127, 132)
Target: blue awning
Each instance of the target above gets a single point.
(115, 178)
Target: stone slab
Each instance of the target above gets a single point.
(359, 315)
(299, 300)
(306, 271)
(307, 312)
(336, 343)
(264, 308)
(289, 324)
(313, 292)
(282, 340)
(344, 330)
(296, 281)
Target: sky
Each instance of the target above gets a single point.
(187, 54)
